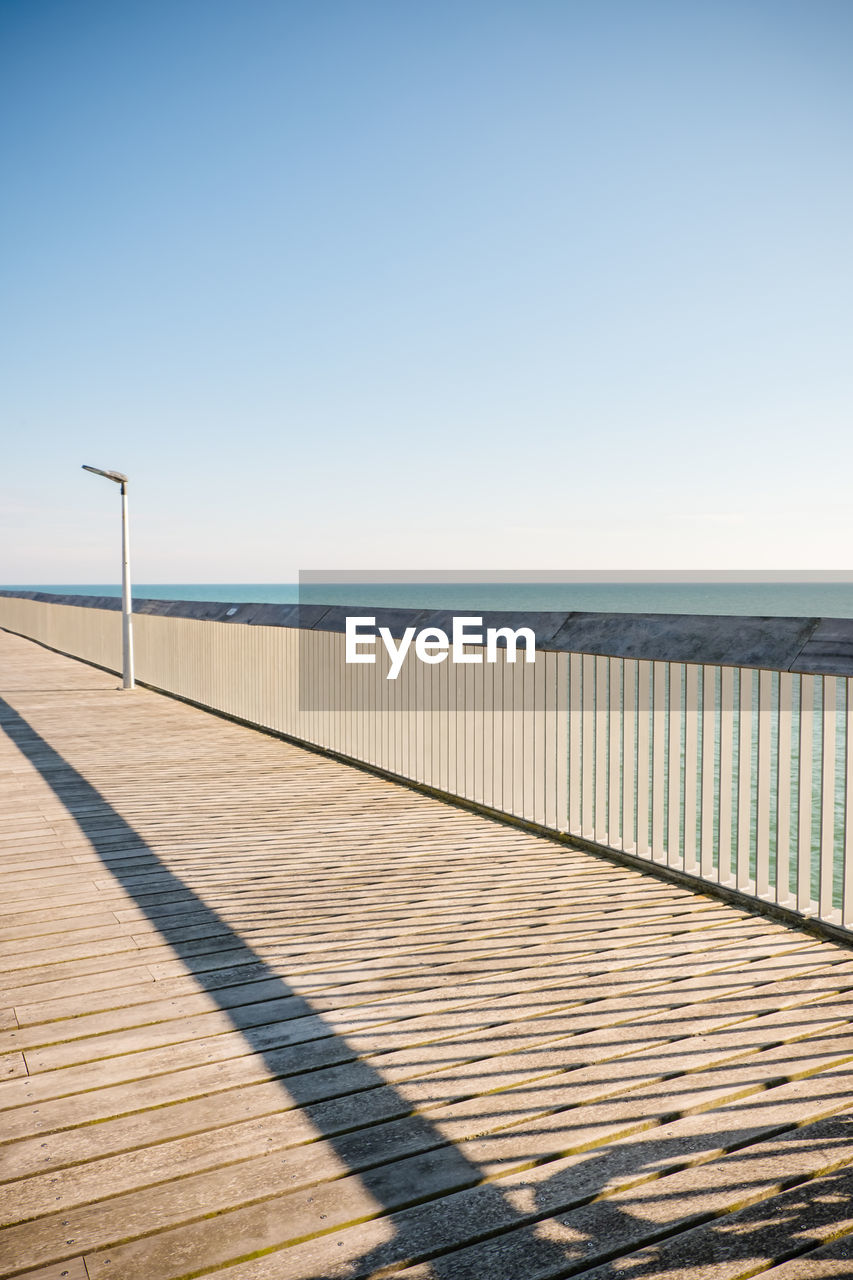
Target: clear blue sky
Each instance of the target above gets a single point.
(377, 283)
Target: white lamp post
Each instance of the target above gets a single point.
(126, 627)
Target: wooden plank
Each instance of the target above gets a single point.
(12, 1066)
(70, 1269)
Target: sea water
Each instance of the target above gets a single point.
(763, 599)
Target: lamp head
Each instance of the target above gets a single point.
(110, 475)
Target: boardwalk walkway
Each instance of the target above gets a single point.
(269, 1017)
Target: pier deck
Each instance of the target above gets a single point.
(267, 1016)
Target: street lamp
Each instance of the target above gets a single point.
(126, 628)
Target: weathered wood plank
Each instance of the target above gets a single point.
(12, 1066)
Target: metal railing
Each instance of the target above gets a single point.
(734, 776)
(737, 776)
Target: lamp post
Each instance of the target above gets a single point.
(126, 627)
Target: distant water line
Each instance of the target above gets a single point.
(762, 599)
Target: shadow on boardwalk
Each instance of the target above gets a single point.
(412, 1172)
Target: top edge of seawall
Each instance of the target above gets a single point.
(812, 645)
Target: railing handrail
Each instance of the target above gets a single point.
(808, 645)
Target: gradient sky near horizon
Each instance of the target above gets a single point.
(467, 283)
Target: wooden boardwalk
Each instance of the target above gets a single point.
(268, 1017)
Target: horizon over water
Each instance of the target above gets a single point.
(767, 599)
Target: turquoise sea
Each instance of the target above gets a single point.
(769, 599)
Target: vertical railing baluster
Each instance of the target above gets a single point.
(550, 761)
(482, 742)
(507, 731)
(710, 720)
(489, 734)
(744, 780)
(423, 737)
(659, 743)
(691, 766)
(520, 729)
(614, 817)
(727, 713)
(601, 737)
(439, 724)
(525, 674)
(644, 705)
(347, 699)
(457, 725)
(804, 795)
(588, 747)
(563, 779)
(470, 725)
(673, 833)
(575, 743)
(762, 816)
(543, 758)
(453, 673)
(783, 789)
(825, 895)
(629, 725)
